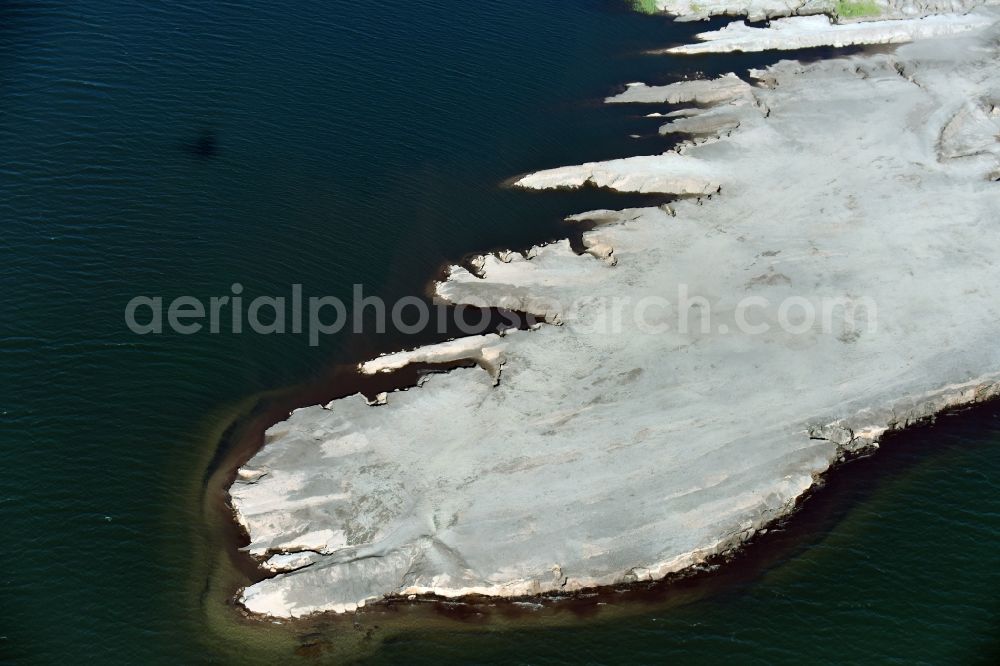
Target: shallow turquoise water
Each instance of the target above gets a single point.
(155, 148)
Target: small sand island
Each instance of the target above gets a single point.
(594, 450)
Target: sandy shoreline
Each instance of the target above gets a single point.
(599, 457)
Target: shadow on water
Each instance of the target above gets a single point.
(205, 146)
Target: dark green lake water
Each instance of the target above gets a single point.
(174, 148)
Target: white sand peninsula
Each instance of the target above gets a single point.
(588, 452)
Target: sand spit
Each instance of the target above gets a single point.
(658, 421)
(669, 173)
(726, 88)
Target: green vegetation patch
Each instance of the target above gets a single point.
(645, 6)
(857, 8)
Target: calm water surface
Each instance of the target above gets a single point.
(174, 148)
